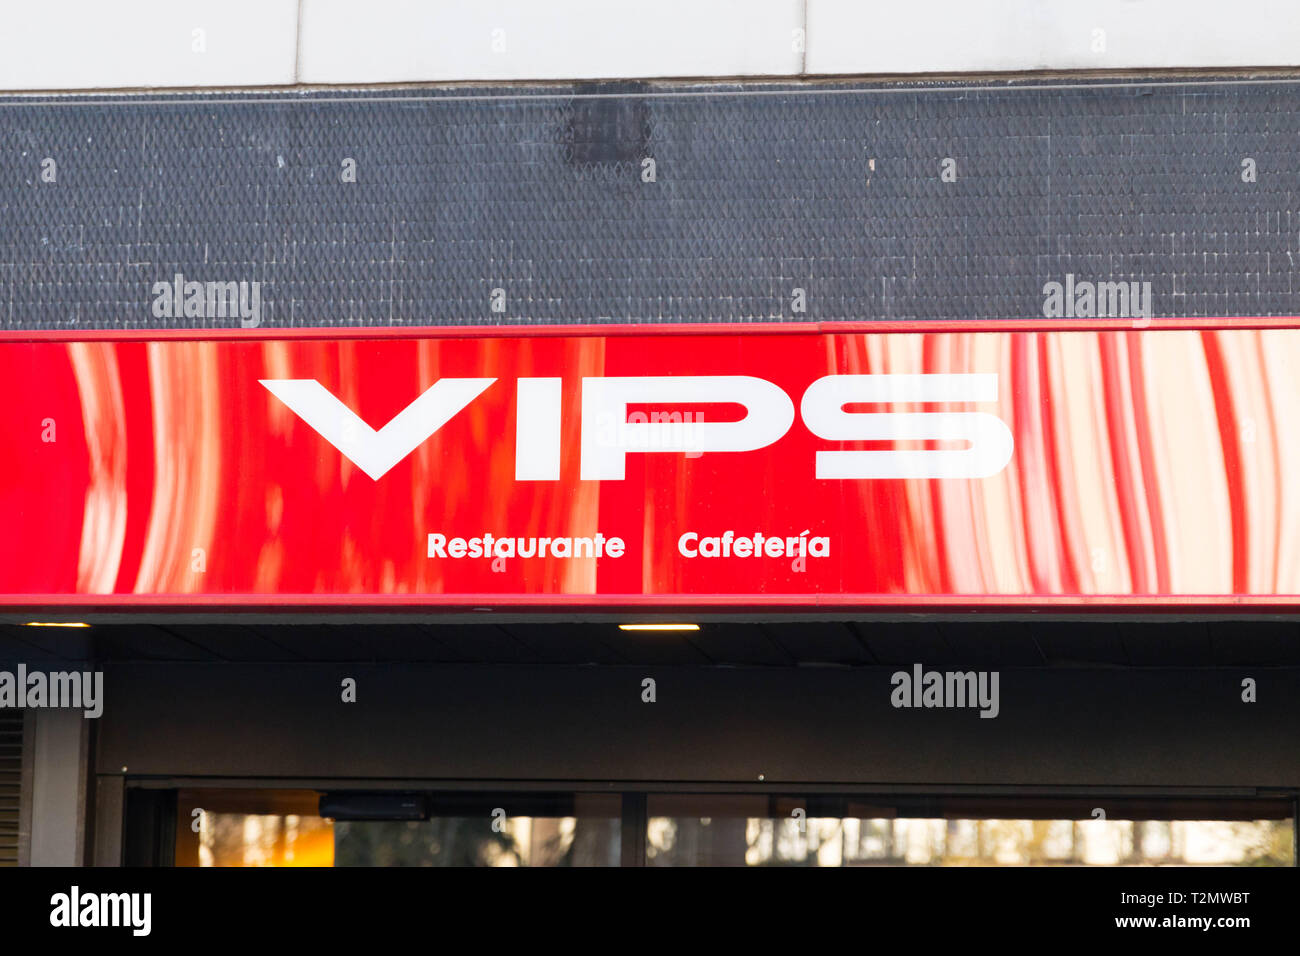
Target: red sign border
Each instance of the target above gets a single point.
(703, 603)
(906, 326)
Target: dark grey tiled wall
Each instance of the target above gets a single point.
(760, 189)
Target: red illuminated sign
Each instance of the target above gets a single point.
(792, 468)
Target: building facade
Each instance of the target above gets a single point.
(569, 434)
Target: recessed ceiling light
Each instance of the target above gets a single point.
(658, 627)
(56, 624)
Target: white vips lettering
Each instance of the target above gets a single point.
(375, 452)
(607, 435)
(991, 442)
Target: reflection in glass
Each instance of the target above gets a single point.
(707, 841)
(747, 830)
(473, 841)
(283, 828)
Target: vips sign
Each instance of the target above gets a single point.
(779, 468)
(607, 435)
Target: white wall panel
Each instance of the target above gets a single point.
(345, 41)
(98, 44)
(104, 44)
(61, 745)
(923, 36)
